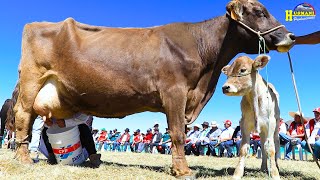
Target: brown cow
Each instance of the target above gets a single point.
(115, 72)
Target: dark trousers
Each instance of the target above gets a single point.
(191, 148)
(85, 139)
(256, 144)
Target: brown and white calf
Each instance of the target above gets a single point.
(260, 109)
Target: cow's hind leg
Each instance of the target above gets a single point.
(174, 104)
(245, 145)
(269, 154)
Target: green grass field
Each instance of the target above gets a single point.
(149, 166)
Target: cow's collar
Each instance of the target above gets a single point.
(260, 34)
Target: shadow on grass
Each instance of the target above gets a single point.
(204, 172)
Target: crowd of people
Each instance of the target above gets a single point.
(210, 139)
(151, 141)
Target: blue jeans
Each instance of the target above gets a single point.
(287, 139)
(226, 145)
(211, 148)
(238, 143)
(315, 148)
(36, 134)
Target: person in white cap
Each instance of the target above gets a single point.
(214, 134)
(191, 140)
(313, 127)
(295, 133)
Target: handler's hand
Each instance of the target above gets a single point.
(47, 121)
(61, 123)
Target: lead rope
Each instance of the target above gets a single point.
(300, 111)
(263, 47)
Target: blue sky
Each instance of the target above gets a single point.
(142, 13)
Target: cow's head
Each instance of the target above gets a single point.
(255, 15)
(239, 74)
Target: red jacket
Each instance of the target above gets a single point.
(148, 137)
(311, 125)
(299, 129)
(102, 136)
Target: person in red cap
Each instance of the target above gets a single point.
(225, 139)
(313, 131)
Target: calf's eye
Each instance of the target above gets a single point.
(243, 70)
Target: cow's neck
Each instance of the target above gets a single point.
(257, 97)
(217, 41)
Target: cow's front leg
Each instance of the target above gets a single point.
(25, 115)
(23, 123)
(174, 104)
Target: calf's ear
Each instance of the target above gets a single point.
(261, 61)
(235, 10)
(224, 70)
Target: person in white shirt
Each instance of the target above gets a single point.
(214, 134)
(313, 127)
(225, 139)
(191, 140)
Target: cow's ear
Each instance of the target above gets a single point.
(235, 10)
(224, 70)
(261, 61)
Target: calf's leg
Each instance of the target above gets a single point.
(244, 147)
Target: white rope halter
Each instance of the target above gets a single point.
(260, 34)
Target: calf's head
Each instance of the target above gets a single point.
(255, 15)
(241, 73)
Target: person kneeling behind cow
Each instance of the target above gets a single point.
(260, 109)
(85, 137)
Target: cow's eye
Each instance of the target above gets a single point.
(259, 13)
(243, 70)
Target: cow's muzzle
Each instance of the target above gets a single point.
(225, 89)
(286, 43)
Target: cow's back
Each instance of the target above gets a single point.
(99, 68)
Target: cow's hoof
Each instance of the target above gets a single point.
(25, 159)
(183, 174)
(236, 177)
(23, 156)
(276, 177)
(189, 177)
